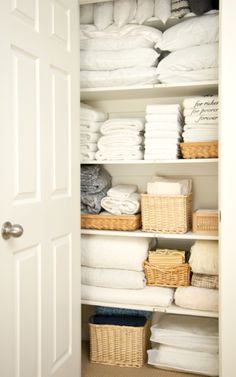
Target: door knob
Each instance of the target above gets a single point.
(9, 230)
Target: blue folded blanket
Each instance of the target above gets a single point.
(104, 310)
(98, 319)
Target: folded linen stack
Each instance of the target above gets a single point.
(193, 47)
(185, 343)
(163, 131)
(95, 182)
(203, 292)
(122, 200)
(166, 186)
(201, 119)
(90, 124)
(112, 271)
(118, 56)
(122, 139)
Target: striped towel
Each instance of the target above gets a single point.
(179, 8)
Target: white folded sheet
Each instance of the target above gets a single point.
(119, 154)
(118, 140)
(110, 60)
(200, 135)
(201, 102)
(163, 126)
(163, 356)
(163, 109)
(175, 77)
(121, 192)
(201, 119)
(89, 113)
(88, 147)
(156, 296)
(114, 44)
(129, 206)
(90, 126)
(114, 252)
(197, 298)
(87, 156)
(204, 258)
(164, 118)
(166, 186)
(189, 332)
(119, 77)
(111, 278)
(122, 125)
(89, 137)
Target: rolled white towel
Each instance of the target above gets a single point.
(121, 192)
(88, 147)
(112, 278)
(87, 156)
(129, 206)
(122, 125)
(89, 137)
(163, 109)
(89, 113)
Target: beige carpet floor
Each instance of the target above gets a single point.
(97, 370)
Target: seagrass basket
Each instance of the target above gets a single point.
(206, 222)
(124, 346)
(199, 149)
(111, 222)
(174, 276)
(166, 214)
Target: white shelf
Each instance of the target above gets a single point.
(141, 234)
(173, 309)
(150, 91)
(149, 162)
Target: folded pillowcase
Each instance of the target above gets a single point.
(86, 14)
(103, 14)
(162, 10)
(192, 32)
(124, 11)
(145, 10)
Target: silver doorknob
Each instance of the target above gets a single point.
(9, 230)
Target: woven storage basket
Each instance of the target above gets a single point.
(175, 276)
(166, 214)
(111, 222)
(206, 222)
(199, 150)
(123, 346)
(166, 257)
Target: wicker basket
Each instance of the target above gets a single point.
(205, 222)
(166, 214)
(111, 222)
(123, 346)
(200, 150)
(175, 276)
(166, 257)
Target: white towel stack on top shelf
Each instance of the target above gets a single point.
(90, 125)
(185, 343)
(122, 200)
(201, 119)
(122, 139)
(163, 131)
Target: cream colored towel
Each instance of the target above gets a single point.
(204, 257)
(197, 298)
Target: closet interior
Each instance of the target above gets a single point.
(177, 90)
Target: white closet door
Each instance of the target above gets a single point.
(39, 169)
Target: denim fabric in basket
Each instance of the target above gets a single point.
(120, 320)
(103, 310)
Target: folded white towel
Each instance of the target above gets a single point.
(117, 154)
(129, 206)
(168, 118)
(164, 134)
(164, 186)
(197, 298)
(88, 147)
(90, 126)
(121, 192)
(204, 257)
(114, 252)
(122, 125)
(198, 110)
(87, 156)
(202, 138)
(111, 278)
(201, 132)
(117, 141)
(202, 119)
(89, 113)
(163, 109)
(201, 102)
(89, 137)
(159, 141)
(189, 126)
(159, 126)
(155, 296)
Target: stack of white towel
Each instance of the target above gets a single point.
(118, 56)
(90, 125)
(185, 343)
(166, 186)
(193, 47)
(121, 139)
(163, 130)
(203, 293)
(122, 200)
(112, 271)
(201, 119)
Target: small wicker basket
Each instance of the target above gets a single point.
(199, 150)
(124, 346)
(111, 222)
(206, 222)
(166, 214)
(175, 276)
